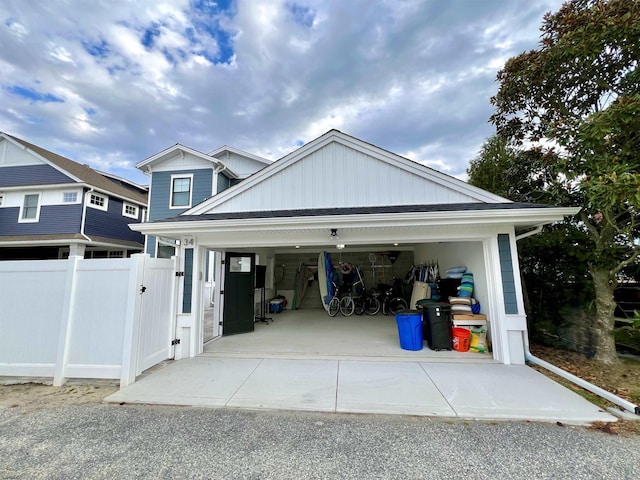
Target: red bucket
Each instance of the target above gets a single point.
(461, 339)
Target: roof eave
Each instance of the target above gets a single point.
(227, 148)
(167, 153)
(528, 217)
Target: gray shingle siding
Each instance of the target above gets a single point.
(31, 175)
(506, 268)
(151, 245)
(188, 280)
(161, 191)
(53, 219)
(224, 182)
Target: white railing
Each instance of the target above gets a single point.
(75, 318)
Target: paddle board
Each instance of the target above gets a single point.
(322, 279)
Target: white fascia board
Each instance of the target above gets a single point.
(419, 169)
(60, 242)
(111, 194)
(529, 216)
(230, 173)
(65, 186)
(53, 186)
(167, 152)
(251, 156)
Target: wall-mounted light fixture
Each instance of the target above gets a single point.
(334, 234)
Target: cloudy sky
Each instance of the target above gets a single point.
(112, 82)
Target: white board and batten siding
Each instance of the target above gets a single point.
(183, 161)
(242, 166)
(81, 318)
(342, 172)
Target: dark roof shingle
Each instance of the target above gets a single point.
(85, 173)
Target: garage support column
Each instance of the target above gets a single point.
(514, 313)
(189, 299)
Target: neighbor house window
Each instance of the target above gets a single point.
(98, 201)
(181, 191)
(30, 210)
(70, 197)
(129, 210)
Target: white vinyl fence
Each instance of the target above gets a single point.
(85, 318)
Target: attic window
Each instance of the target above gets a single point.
(181, 191)
(101, 202)
(129, 210)
(70, 197)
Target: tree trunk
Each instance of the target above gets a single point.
(603, 327)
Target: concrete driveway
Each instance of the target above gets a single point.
(306, 360)
(454, 390)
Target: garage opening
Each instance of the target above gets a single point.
(301, 325)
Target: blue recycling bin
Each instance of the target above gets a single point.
(410, 329)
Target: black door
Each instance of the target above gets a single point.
(239, 290)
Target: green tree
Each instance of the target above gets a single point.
(580, 92)
(518, 174)
(555, 284)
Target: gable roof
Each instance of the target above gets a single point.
(147, 164)
(332, 164)
(216, 158)
(226, 148)
(82, 173)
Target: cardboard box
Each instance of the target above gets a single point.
(478, 316)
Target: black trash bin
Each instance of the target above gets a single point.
(436, 325)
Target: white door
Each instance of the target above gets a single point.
(157, 328)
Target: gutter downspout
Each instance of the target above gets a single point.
(529, 357)
(84, 213)
(221, 167)
(626, 405)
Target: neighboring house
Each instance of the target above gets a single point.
(52, 207)
(337, 185)
(182, 177)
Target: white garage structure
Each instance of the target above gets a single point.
(373, 199)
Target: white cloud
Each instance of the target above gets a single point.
(16, 29)
(135, 77)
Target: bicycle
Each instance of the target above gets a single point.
(340, 303)
(366, 301)
(392, 299)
